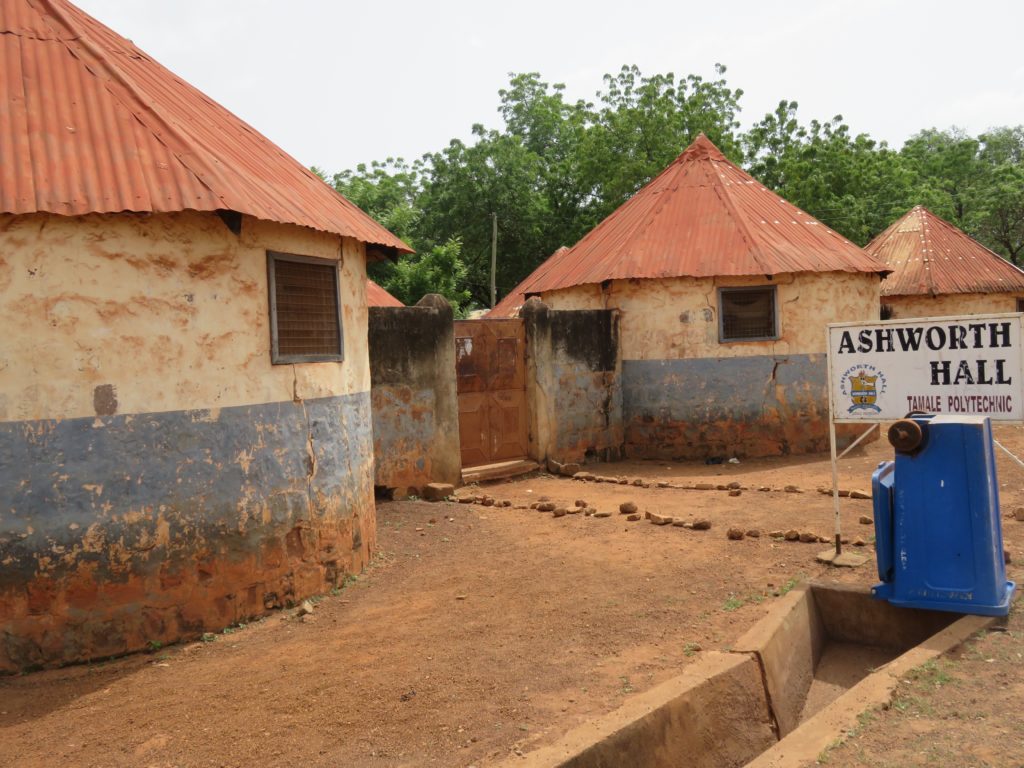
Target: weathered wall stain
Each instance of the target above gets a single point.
(413, 387)
(951, 305)
(159, 477)
(686, 395)
(159, 526)
(744, 407)
(69, 313)
(573, 386)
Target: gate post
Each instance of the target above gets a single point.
(539, 378)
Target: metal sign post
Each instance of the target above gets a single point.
(880, 372)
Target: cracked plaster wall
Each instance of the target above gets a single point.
(952, 304)
(685, 395)
(158, 476)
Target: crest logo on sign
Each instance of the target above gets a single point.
(863, 384)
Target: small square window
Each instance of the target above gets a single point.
(747, 314)
(885, 312)
(1020, 305)
(305, 309)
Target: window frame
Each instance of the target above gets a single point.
(276, 358)
(775, 313)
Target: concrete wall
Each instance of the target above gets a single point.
(158, 476)
(714, 714)
(415, 406)
(573, 383)
(949, 305)
(686, 395)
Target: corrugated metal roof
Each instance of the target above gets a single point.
(701, 217)
(378, 297)
(511, 304)
(929, 256)
(91, 124)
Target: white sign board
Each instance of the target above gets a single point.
(965, 365)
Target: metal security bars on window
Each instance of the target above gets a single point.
(747, 314)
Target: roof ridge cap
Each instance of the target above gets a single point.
(734, 214)
(119, 76)
(926, 238)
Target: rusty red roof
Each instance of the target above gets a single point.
(701, 217)
(91, 124)
(513, 302)
(930, 256)
(378, 297)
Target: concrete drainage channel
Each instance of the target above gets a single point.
(790, 686)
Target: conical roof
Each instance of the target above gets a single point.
(378, 297)
(91, 124)
(701, 217)
(929, 256)
(513, 302)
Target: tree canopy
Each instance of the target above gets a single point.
(555, 168)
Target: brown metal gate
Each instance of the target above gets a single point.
(490, 365)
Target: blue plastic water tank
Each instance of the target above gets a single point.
(937, 529)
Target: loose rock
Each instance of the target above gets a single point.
(633, 518)
(753, 533)
(702, 524)
(602, 513)
(859, 495)
(574, 510)
(705, 486)
(559, 512)
(682, 524)
(859, 542)
(764, 488)
(865, 520)
(777, 535)
(589, 511)
(546, 506)
(792, 489)
(580, 503)
(734, 485)
(627, 507)
(1018, 514)
(487, 501)
(1006, 557)
(583, 476)
(735, 492)
(438, 491)
(638, 482)
(808, 538)
(305, 607)
(506, 503)
(659, 519)
(792, 535)
(734, 534)
(662, 484)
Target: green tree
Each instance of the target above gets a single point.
(644, 123)
(1000, 218)
(852, 183)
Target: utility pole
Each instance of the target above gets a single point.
(494, 258)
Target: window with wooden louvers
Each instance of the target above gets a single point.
(305, 309)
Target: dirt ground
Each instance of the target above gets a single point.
(482, 631)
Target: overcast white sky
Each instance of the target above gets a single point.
(338, 83)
